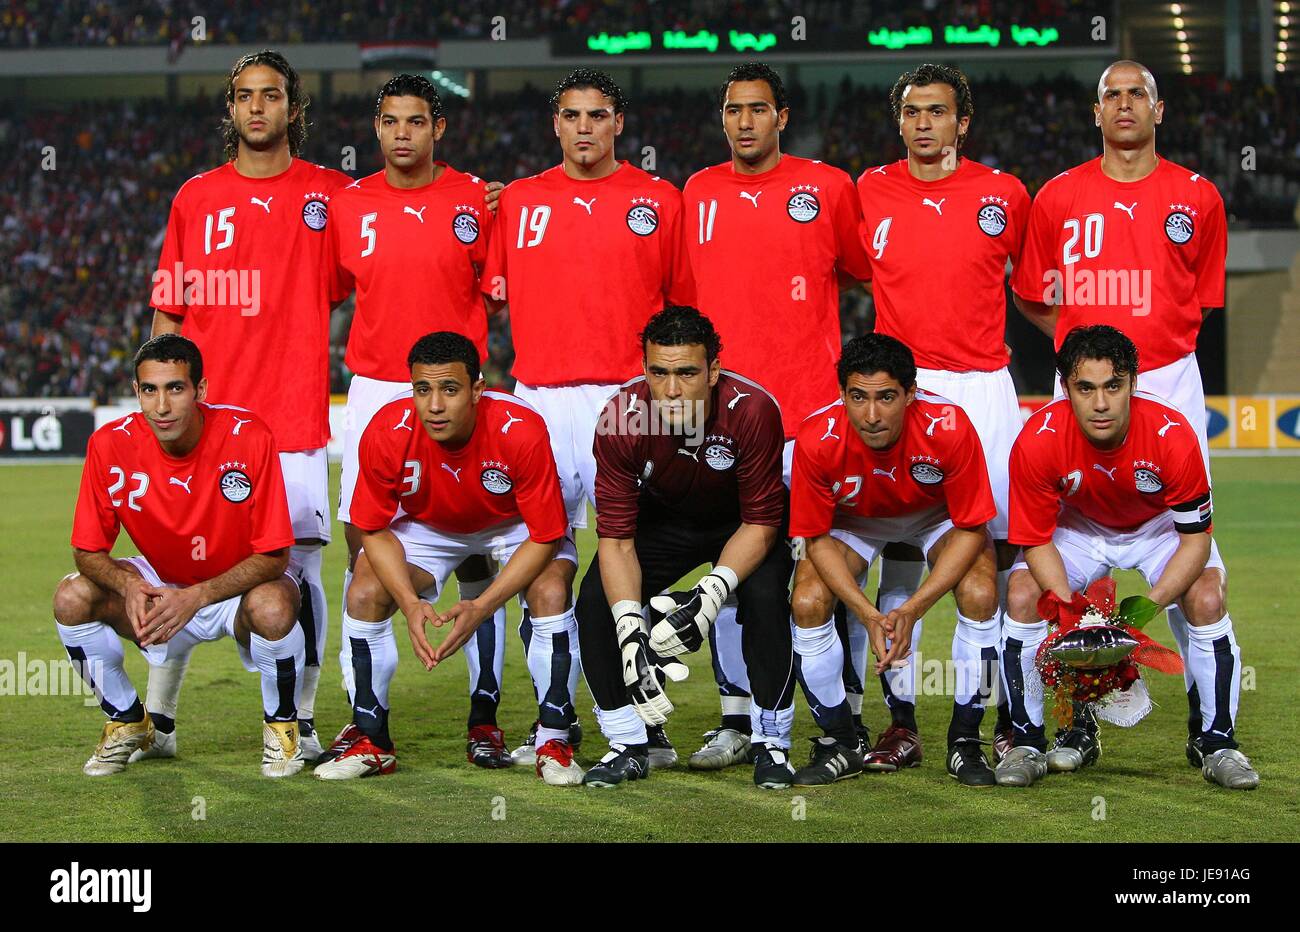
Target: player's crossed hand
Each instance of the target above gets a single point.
(876, 625)
(170, 610)
(898, 627)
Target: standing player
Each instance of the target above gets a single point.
(1131, 240)
(584, 253)
(940, 231)
(1112, 478)
(688, 472)
(198, 489)
(771, 236)
(256, 227)
(411, 239)
(871, 469)
(450, 473)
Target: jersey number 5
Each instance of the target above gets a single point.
(534, 220)
(141, 481)
(368, 233)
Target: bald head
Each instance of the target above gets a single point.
(1128, 73)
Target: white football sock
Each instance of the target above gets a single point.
(551, 652)
(1024, 694)
(96, 654)
(621, 725)
(729, 658)
(821, 663)
(345, 646)
(901, 680)
(974, 653)
(313, 613)
(485, 654)
(771, 726)
(164, 690)
(374, 660)
(280, 664)
(1215, 662)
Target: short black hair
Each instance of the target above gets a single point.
(411, 85)
(584, 78)
(434, 349)
(877, 352)
(681, 325)
(170, 347)
(299, 100)
(756, 71)
(931, 73)
(1100, 341)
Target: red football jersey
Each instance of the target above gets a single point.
(246, 263)
(837, 480)
(939, 252)
(733, 474)
(504, 474)
(414, 256)
(192, 517)
(767, 251)
(1157, 468)
(584, 265)
(1143, 256)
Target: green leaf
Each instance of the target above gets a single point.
(1137, 610)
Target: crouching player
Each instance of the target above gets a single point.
(1111, 478)
(688, 471)
(453, 472)
(199, 491)
(890, 463)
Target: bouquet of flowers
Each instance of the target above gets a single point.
(1093, 651)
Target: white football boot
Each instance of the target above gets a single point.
(556, 766)
(163, 745)
(724, 747)
(281, 753)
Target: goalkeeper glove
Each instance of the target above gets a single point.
(641, 677)
(685, 617)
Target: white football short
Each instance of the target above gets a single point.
(867, 537)
(439, 553)
(307, 486)
(571, 413)
(210, 623)
(365, 397)
(989, 400)
(1179, 385)
(1090, 550)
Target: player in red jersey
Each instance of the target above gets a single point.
(688, 472)
(1112, 478)
(891, 463)
(574, 335)
(1131, 240)
(418, 227)
(936, 204)
(245, 274)
(801, 216)
(453, 472)
(198, 489)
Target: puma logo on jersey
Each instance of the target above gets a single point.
(731, 405)
(1127, 210)
(126, 422)
(881, 472)
(417, 214)
(1168, 424)
(505, 428)
(830, 430)
(1046, 417)
(938, 208)
(240, 422)
(878, 170)
(264, 204)
(586, 205)
(454, 472)
(693, 454)
(406, 416)
(1110, 473)
(184, 485)
(934, 422)
(752, 198)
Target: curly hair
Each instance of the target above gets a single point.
(584, 78)
(298, 100)
(1097, 342)
(930, 73)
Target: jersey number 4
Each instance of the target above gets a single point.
(141, 481)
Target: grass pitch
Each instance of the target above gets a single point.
(1141, 790)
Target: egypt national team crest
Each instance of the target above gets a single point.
(643, 217)
(1178, 225)
(992, 215)
(465, 224)
(718, 453)
(803, 205)
(315, 213)
(925, 470)
(1146, 475)
(235, 484)
(494, 477)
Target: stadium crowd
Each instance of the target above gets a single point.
(80, 235)
(33, 24)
